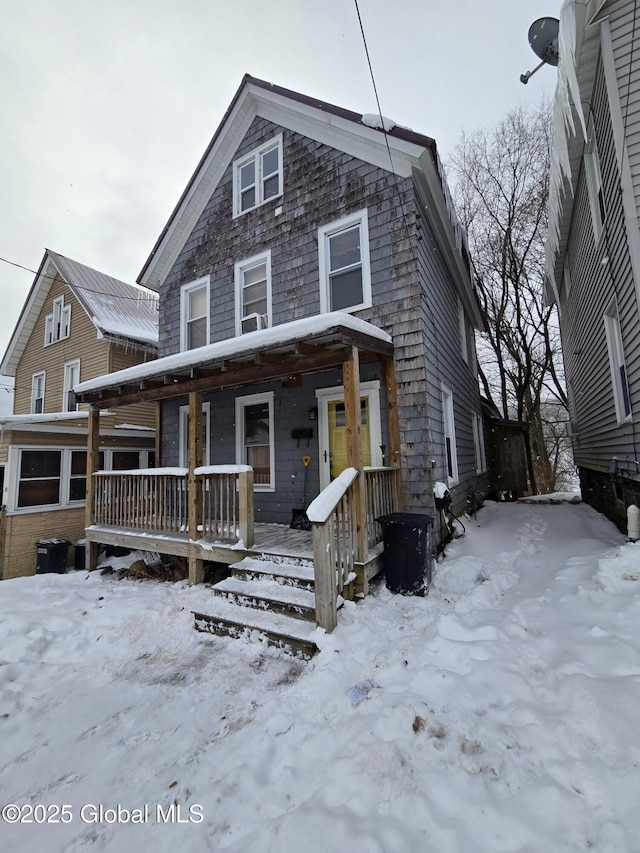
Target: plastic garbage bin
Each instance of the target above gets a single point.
(52, 556)
(408, 549)
(80, 555)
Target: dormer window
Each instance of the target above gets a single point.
(57, 325)
(257, 177)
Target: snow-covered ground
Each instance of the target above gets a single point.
(499, 713)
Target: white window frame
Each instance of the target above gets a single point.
(256, 156)
(241, 267)
(567, 279)
(449, 436)
(57, 325)
(594, 183)
(69, 384)
(462, 326)
(183, 435)
(241, 404)
(35, 381)
(185, 292)
(617, 365)
(478, 443)
(360, 219)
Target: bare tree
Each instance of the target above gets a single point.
(501, 179)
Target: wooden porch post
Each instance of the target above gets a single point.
(194, 495)
(351, 380)
(93, 461)
(393, 425)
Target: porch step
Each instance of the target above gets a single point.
(269, 595)
(286, 632)
(299, 575)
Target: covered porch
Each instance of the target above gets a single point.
(206, 513)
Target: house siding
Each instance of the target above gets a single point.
(81, 343)
(20, 546)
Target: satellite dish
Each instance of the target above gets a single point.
(543, 38)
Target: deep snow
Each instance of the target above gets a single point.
(498, 713)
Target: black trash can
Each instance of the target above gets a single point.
(408, 549)
(80, 556)
(52, 556)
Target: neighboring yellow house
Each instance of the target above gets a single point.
(76, 324)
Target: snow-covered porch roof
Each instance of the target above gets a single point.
(288, 350)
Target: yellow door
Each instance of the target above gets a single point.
(337, 429)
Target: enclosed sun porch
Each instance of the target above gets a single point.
(207, 513)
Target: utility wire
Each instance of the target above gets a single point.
(143, 297)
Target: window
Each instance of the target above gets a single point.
(37, 393)
(40, 472)
(462, 325)
(71, 379)
(57, 325)
(594, 183)
(194, 314)
(478, 443)
(451, 454)
(253, 294)
(254, 438)
(183, 435)
(345, 276)
(78, 476)
(257, 177)
(617, 363)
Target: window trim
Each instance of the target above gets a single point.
(449, 434)
(256, 156)
(360, 218)
(241, 404)
(617, 363)
(478, 443)
(34, 377)
(240, 268)
(63, 325)
(183, 435)
(185, 291)
(462, 327)
(67, 387)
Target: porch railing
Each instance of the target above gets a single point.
(157, 500)
(382, 499)
(333, 523)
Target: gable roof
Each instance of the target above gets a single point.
(412, 155)
(120, 312)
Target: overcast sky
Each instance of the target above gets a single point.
(108, 106)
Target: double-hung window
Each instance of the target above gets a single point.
(478, 443)
(345, 275)
(40, 477)
(617, 364)
(194, 314)
(71, 379)
(255, 439)
(257, 177)
(57, 325)
(37, 393)
(451, 453)
(462, 326)
(253, 293)
(594, 183)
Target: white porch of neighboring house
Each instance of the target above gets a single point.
(206, 513)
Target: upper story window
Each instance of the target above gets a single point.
(57, 325)
(194, 314)
(594, 183)
(37, 393)
(617, 364)
(345, 274)
(253, 293)
(71, 379)
(462, 325)
(257, 177)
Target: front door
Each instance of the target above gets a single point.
(333, 429)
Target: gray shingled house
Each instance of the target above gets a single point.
(593, 249)
(317, 317)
